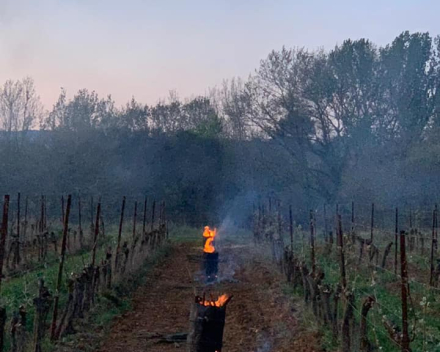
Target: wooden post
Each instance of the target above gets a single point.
(134, 220)
(102, 225)
(341, 254)
(121, 222)
(60, 268)
(291, 228)
(144, 222)
(152, 215)
(396, 233)
(18, 215)
(312, 243)
(134, 239)
(352, 217)
(42, 215)
(337, 221)
(435, 229)
(4, 234)
(25, 219)
(17, 244)
(92, 225)
(372, 223)
(165, 221)
(325, 224)
(25, 247)
(62, 209)
(45, 214)
(81, 234)
(43, 220)
(160, 214)
(404, 287)
(63, 214)
(2, 328)
(433, 245)
(280, 224)
(95, 239)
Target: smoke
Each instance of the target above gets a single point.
(264, 344)
(228, 262)
(235, 212)
(230, 233)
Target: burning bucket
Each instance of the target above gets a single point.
(207, 324)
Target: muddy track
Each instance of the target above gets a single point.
(259, 319)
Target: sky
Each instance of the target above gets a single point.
(147, 48)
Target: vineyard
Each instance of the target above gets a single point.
(370, 275)
(55, 269)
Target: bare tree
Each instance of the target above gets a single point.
(20, 106)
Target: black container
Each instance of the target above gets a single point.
(206, 330)
(210, 265)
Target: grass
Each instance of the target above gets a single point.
(116, 302)
(424, 305)
(183, 233)
(23, 287)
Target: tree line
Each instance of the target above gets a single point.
(309, 126)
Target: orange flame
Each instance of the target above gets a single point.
(220, 302)
(210, 236)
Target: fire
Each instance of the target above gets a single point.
(210, 236)
(220, 302)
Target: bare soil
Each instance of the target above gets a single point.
(260, 317)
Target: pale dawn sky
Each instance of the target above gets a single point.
(147, 48)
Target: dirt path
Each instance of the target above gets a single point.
(259, 319)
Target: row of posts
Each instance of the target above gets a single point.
(400, 245)
(81, 290)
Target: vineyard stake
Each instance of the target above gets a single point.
(436, 228)
(60, 269)
(280, 225)
(134, 220)
(25, 218)
(433, 245)
(336, 227)
(62, 209)
(396, 233)
(81, 234)
(144, 222)
(17, 245)
(4, 234)
(133, 242)
(42, 215)
(312, 243)
(404, 288)
(95, 239)
(352, 218)
(291, 228)
(372, 223)
(92, 225)
(121, 221)
(341, 254)
(152, 215)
